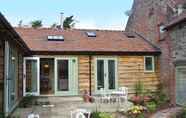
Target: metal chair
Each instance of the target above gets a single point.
(104, 96)
(124, 95)
(80, 113)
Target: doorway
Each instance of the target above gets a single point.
(46, 76)
(106, 74)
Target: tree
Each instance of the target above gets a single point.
(36, 23)
(69, 22)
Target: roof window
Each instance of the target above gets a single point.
(91, 34)
(55, 38)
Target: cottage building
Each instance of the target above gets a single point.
(57, 62)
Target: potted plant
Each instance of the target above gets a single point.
(86, 96)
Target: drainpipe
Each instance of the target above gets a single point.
(90, 72)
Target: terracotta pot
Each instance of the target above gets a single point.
(86, 98)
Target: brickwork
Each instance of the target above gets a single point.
(146, 18)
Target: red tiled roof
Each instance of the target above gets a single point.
(176, 20)
(77, 41)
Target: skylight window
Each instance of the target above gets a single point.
(55, 38)
(91, 34)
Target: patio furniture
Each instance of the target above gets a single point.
(104, 96)
(124, 94)
(32, 115)
(80, 113)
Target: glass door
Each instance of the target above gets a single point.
(106, 74)
(66, 76)
(12, 76)
(31, 76)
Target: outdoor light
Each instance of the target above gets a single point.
(46, 65)
(13, 58)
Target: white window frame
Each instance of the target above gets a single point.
(74, 87)
(106, 72)
(153, 64)
(37, 93)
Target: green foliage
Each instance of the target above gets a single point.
(161, 97)
(27, 101)
(181, 114)
(1, 115)
(36, 23)
(68, 23)
(151, 106)
(139, 88)
(100, 115)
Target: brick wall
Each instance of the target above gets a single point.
(146, 17)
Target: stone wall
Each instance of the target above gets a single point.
(178, 42)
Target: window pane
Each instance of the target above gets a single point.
(31, 76)
(148, 64)
(111, 72)
(63, 77)
(100, 74)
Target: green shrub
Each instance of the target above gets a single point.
(151, 106)
(27, 101)
(161, 97)
(100, 115)
(181, 114)
(1, 115)
(139, 88)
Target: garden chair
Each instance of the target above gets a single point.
(32, 115)
(80, 113)
(105, 96)
(124, 95)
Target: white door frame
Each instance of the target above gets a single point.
(38, 76)
(6, 72)
(105, 59)
(73, 77)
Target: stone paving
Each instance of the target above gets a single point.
(166, 113)
(61, 107)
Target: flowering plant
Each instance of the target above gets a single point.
(136, 111)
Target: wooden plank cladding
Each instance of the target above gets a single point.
(130, 71)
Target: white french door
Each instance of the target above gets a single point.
(66, 77)
(31, 72)
(106, 74)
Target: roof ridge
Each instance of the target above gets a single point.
(74, 29)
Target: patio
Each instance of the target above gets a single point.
(60, 107)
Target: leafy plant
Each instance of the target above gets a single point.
(27, 101)
(136, 112)
(151, 106)
(161, 97)
(182, 114)
(1, 115)
(100, 115)
(139, 88)
(36, 23)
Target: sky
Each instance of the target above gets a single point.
(88, 14)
